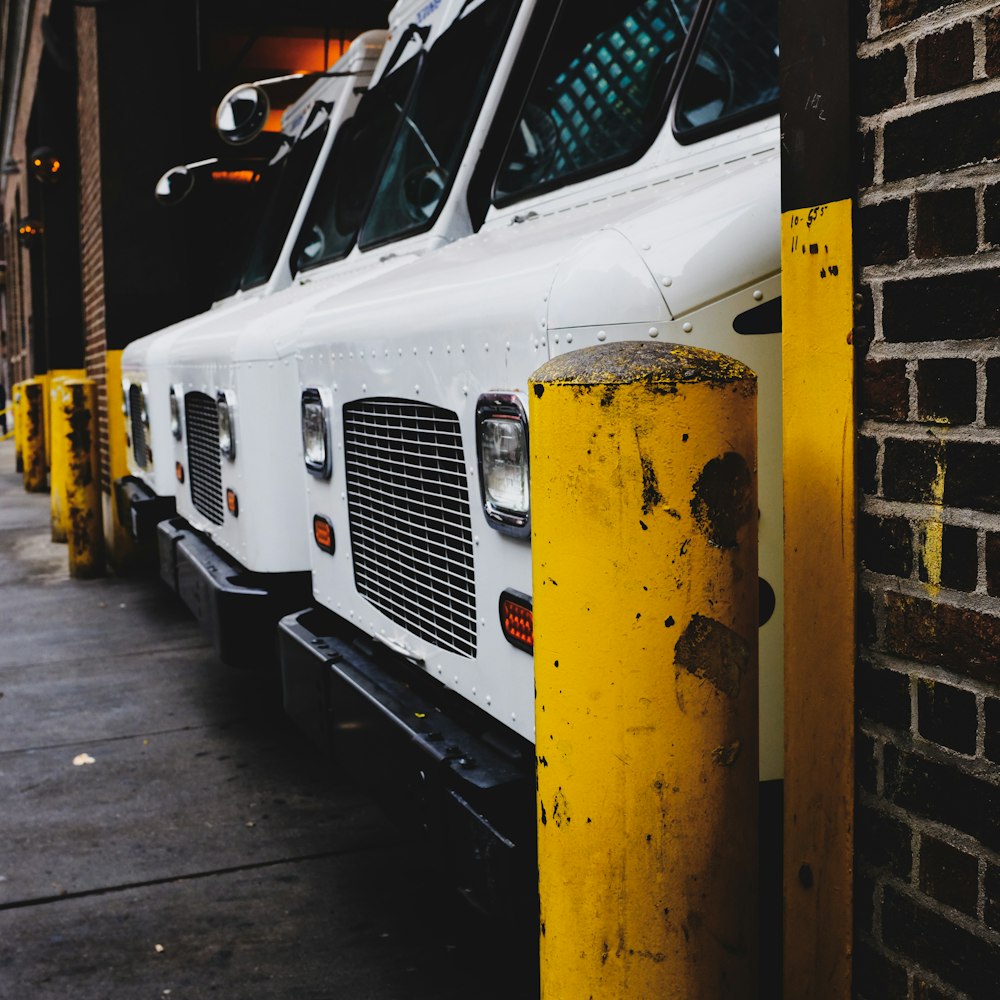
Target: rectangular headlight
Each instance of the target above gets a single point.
(175, 412)
(502, 444)
(227, 432)
(316, 434)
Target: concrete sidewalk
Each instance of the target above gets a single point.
(164, 832)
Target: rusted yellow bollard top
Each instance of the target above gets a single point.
(644, 541)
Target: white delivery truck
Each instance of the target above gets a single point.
(636, 199)
(396, 186)
(309, 128)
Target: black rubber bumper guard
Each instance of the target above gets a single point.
(238, 609)
(140, 510)
(467, 795)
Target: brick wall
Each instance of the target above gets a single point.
(91, 220)
(927, 232)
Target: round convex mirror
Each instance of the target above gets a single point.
(242, 114)
(174, 186)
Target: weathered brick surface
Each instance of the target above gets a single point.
(944, 307)
(992, 414)
(949, 875)
(947, 715)
(936, 633)
(881, 976)
(928, 477)
(946, 223)
(991, 909)
(959, 557)
(991, 739)
(884, 389)
(885, 842)
(880, 82)
(883, 696)
(886, 544)
(945, 60)
(881, 231)
(935, 942)
(937, 790)
(943, 138)
(946, 390)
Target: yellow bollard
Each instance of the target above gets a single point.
(123, 553)
(33, 435)
(83, 479)
(16, 395)
(644, 541)
(58, 442)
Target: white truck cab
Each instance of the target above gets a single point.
(309, 128)
(395, 187)
(636, 199)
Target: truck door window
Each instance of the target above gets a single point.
(288, 174)
(733, 77)
(429, 146)
(598, 95)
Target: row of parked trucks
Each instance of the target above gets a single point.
(333, 461)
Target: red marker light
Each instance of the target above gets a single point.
(517, 620)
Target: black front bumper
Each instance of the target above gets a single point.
(461, 782)
(239, 610)
(140, 510)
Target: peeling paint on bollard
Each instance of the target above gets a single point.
(83, 494)
(709, 650)
(33, 439)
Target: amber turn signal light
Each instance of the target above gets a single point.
(179, 472)
(323, 533)
(232, 503)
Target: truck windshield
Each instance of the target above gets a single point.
(428, 148)
(734, 75)
(599, 93)
(287, 176)
(396, 159)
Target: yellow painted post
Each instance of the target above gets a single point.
(644, 541)
(58, 458)
(57, 443)
(820, 587)
(122, 551)
(33, 440)
(83, 479)
(17, 394)
(46, 379)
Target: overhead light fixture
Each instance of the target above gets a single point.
(29, 232)
(45, 165)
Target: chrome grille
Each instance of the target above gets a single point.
(201, 421)
(135, 407)
(411, 531)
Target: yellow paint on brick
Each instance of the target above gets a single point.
(934, 533)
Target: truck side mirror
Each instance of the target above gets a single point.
(174, 186)
(242, 114)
